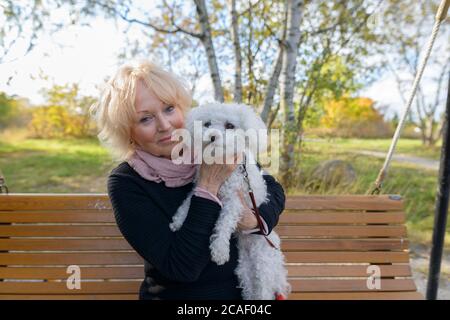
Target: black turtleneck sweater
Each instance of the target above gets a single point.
(178, 264)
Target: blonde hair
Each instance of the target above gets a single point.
(115, 111)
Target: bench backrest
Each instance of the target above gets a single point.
(330, 243)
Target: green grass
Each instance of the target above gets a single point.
(411, 147)
(78, 166)
(54, 166)
(416, 185)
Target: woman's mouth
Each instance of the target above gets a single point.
(165, 139)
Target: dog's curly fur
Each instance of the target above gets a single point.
(260, 269)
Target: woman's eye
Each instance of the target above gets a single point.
(146, 119)
(207, 124)
(170, 108)
(229, 126)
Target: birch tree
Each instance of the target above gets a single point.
(237, 93)
(409, 31)
(287, 85)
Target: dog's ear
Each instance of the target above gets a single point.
(252, 123)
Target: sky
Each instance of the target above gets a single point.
(87, 56)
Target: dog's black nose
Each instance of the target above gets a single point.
(213, 138)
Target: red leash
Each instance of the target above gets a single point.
(278, 296)
(255, 207)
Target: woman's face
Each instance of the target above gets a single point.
(154, 123)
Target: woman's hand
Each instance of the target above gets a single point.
(213, 175)
(248, 220)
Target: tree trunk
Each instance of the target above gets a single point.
(287, 85)
(272, 86)
(275, 75)
(207, 42)
(237, 97)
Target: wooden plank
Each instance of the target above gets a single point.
(52, 273)
(30, 201)
(346, 257)
(112, 231)
(319, 217)
(43, 201)
(97, 258)
(288, 217)
(24, 244)
(294, 296)
(360, 285)
(341, 231)
(342, 244)
(346, 270)
(60, 231)
(137, 272)
(58, 216)
(407, 295)
(133, 286)
(104, 287)
(345, 202)
(134, 296)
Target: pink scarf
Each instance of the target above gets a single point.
(159, 169)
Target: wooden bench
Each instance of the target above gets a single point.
(329, 243)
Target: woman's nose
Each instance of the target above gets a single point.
(163, 124)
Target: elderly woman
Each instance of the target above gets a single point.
(139, 109)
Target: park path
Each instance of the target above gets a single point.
(418, 161)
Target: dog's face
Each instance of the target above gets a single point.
(234, 128)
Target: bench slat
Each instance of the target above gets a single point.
(288, 217)
(69, 296)
(346, 270)
(128, 272)
(98, 258)
(342, 231)
(319, 217)
(357, 296)
(27, 201)
(26, 244)
(115, 272)
(347, 257)
(64, 244)
(43, 201)
(343, 244)
(60, 231)
(134, 258)
(344, 202)
(113, 231)
(58, 216)
(307, 285)
(133, 286)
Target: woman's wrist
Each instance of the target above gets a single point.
(210, 187)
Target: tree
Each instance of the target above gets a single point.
(65, 114)
(408, 29)
(287, 85)
(247, 41)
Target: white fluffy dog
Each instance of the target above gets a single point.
(260, 269)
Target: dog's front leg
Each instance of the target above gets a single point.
(181, 214)
(225, 226)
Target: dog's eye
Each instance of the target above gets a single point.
(229, 126)
(207, 124)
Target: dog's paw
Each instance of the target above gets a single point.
(174, 226)
(220, 259)
(219, 253)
